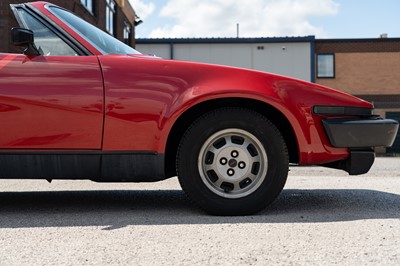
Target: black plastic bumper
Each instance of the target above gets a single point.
(364, 133)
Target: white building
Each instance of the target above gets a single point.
(289, 56)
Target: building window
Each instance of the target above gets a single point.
(325, 66)
(127, 33)
(88, 4)
(110, 13)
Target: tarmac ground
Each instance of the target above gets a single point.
(323, 216)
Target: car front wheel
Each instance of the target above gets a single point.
(232, 161)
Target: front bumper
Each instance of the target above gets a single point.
(363, 133)
(360, 136)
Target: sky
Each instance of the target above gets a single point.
(267, 18)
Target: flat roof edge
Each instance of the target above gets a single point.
(224, 40)
(359, 40)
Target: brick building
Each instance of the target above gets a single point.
(117, 17)
(367, 68)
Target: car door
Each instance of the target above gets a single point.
(53, 100)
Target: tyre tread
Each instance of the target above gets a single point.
(215, 113)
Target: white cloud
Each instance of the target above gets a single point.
(257, 18)
(142, 9)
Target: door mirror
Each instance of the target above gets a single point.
(24, 37)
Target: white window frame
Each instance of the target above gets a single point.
(325, 65)
(127, 33)
(88, 4)
(110, 15)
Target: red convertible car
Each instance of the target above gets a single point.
(79, 104)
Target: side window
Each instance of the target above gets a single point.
(46, 41)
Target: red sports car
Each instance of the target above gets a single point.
(79, 104)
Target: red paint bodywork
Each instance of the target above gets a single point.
(131, 102)
(51, 102)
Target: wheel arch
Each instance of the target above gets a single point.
(190, 115)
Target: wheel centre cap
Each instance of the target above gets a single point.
(232, 163)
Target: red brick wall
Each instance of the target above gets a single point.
(366, 73)
(368, 68)
(7, 20)
(384, 45)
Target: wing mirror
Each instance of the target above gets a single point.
(24, 37)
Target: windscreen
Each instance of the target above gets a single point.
(101, 40)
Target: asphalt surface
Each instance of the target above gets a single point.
(322, 217)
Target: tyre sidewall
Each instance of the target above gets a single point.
(251, 122)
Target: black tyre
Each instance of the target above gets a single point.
(232, 161)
